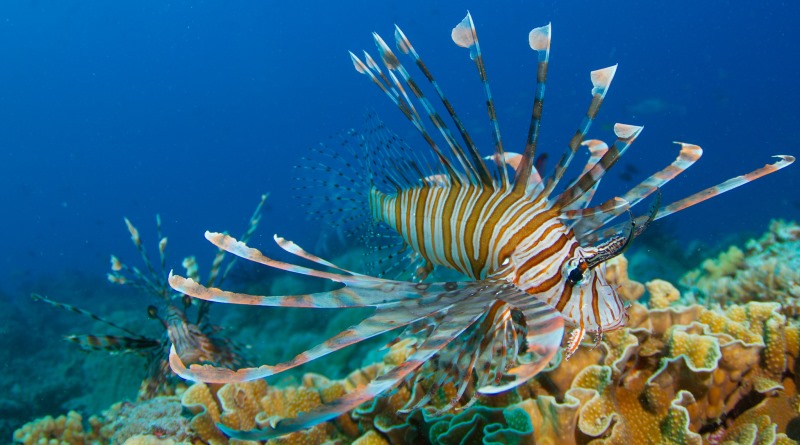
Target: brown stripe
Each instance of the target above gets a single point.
(542, 253)
(491, 222)
(420, 221)
(523, 232)
(576, 140)
(595, 300)
(541, 72)
(472, 224)
(447, 234)
(566, 295)
(548, 284)
(594, 107)
(437, 195)
(398, 220)
(406, 212)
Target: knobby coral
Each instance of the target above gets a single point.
(676, 374)
(768, 269)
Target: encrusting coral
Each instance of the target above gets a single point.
(62, 430)
(676, 374)
(767, 270)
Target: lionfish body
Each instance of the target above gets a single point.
(534, 256)
(193, 338)
(497, 234)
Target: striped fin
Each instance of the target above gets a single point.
(545, 328)
(730, 184)
(544, 323)
(477, 163)
(539, 40)
(626, 134)
(368, 328)
(689, 154)
(597, 149)
(614, 205)
(406, 108)
(393, 64)
(113, 343)
(442, 335)
(601, 80)
(85, 313)
(450, 309)
(785, 161)
(465, 36)
(216, 265)
(154, 282)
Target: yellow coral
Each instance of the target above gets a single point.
(726, 264)
(636, 422)
(199, 400)
(617, 275)
(240, 403)
(662, 293)
(371, 438)
(148, 440)
(63, 430)
(553, 422)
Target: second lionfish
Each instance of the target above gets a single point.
(534, 255)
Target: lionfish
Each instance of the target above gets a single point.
(196, 338)
(534, 256)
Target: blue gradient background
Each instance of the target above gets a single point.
(193, 109)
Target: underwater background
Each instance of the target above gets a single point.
(194, 109)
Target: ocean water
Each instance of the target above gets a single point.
(193, 109)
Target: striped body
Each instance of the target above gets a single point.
(486, 233)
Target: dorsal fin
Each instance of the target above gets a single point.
(601, 80)
(405, 107)
(465, 36)
(539, 40)
(626, 134)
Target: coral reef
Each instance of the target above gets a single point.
(678, 373)
(62, 430)
(766, 270)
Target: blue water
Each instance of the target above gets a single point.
(193, 109)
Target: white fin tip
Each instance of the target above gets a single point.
(463, 33)
(539, 38)
(625, 131)
(602, 78)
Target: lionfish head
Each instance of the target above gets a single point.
(587, 299)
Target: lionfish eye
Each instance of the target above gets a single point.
(575, 275)
(577, 267)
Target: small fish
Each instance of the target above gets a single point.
(534, 256)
